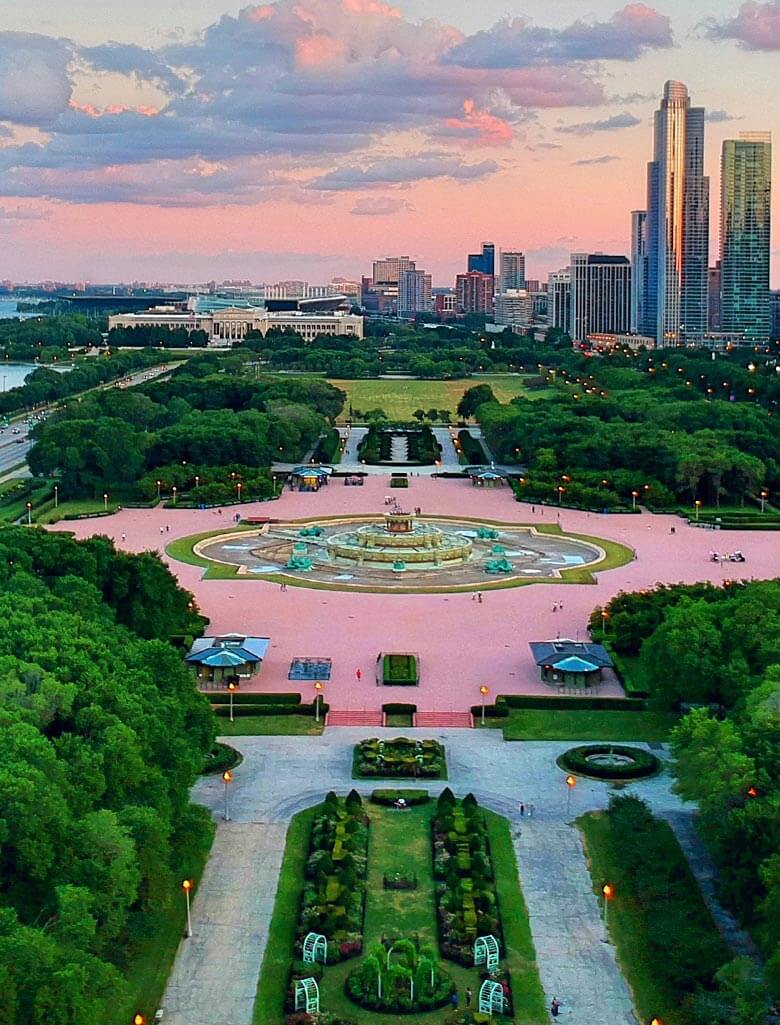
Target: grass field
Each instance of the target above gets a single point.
(399, 399)
(399, 841)
(559, 724)
(74, 508)
(269, 726)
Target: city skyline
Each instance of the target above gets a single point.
(303, 140)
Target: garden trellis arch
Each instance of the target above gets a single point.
(486, 952)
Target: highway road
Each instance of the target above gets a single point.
(15, 446)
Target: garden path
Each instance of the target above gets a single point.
(281, 775)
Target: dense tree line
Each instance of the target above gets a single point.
(719, 649)
(47, 339)
(167, 338)
(204, 426)
(102, 734)
(44, 386)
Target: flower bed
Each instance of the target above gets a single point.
(333, 899)
(466, 902)
(400, 758)
(401, 977)
(609, 761)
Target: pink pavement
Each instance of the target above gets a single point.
(461, 644)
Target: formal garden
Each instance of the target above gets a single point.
(401, 904)
(400, 758)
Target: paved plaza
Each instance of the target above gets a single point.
(461, 643)
(215, 976)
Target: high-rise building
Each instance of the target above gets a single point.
(414, 293)
(638, 267)
(713, 297)
(600, 295)
(513, 308)
(511, 271)
(484, 262)
(745, 214)
(774, 311)
(675, 294)
(559, 300)
(388, 271)
(475, 292)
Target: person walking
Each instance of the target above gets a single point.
(469, 996)
(454, 1001)
(555, 1007)
(522, 809)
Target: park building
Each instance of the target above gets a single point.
(606, 340)
(226, 327)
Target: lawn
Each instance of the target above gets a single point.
(560, 724)
(399, 399)
(270, 726)
(399, 840)
(81, 507)
(148, 959)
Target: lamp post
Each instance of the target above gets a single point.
(187, 886)
(604, 620)
(197, 481)
(29, 514)
(571, 783)
(56, 495)
(174, 489)
(138, 1019)
(238, 491)
(608, 893)
(159, 485)
(227, 779)
(273, 481)
(317, 699)
(231, 688)
(634, 496)
(560, 493)
(105, 501)
(483, 693)
(763, 496)
(697, 505)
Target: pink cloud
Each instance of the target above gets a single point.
(755, 27)
(477, 127)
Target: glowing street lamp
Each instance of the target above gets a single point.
(697, 504)
(231, 688)
(763, 496)
(197, 481)
(138, 1019)
(159, 485)
(238, 490)
(56, 495)
(560, 493)
(175, 490)
(227, 779)
(187, 886)
(29, 514)
(634, 496)
(317, 699)
(483, 693)
(571, 783)
(604, 620)
(105, 501)
(608, 892)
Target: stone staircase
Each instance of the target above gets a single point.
(354, 717)
(443, 719)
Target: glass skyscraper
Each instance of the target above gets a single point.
(677, 243)
(746, 169)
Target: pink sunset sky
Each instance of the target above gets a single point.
(194, 140)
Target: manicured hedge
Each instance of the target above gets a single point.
(576, 760)
(389, 797)
(400, 670)
(223, 698)
(572, 704)
(221, 757)
(472, 448)
(398, 708)
(240, 710)
(491, 711)
(400, 758)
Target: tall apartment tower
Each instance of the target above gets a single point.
(675, 307)
(600, 295)
(511, 274)
(745, 221)
(638, 268)
(475, 292)
(484, 262)
(414, 293)
(388, 271)
(559, 299)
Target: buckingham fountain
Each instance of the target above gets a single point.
(399, 541)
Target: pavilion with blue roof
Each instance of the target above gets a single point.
(566, 663)
(218, 660)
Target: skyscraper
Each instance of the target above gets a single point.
(638, 267)
(388, 271)
(484, 262)
(559, 300)
(414, 293)
(511, 271)
(475, 292)
(600, 295)
(675, 294)
(746, 168)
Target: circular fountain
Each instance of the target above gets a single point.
(400, 540)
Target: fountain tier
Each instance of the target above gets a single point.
(399, 540)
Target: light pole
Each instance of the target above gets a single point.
(238, 490)
(317, 698)
(29, 514)
(187, 886)
(159, 485)
(483, 693)
(138, 1019)
(174, 489)
(197, 481)
(604, 620)
(634, 496)
(56, 496)
(571, 783)
(608, 893)
(231, 688)
(697, 504)
(764, 495)
(105, 501)
(227, 779)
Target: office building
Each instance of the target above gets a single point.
(638, 266)
(600, 295)
(475, 292)
(388, 270)
(745, 217)
(445, 303)
(511, 273)
(713, 297)
(484, 262)
(675, 292)
(513, 308)
(414, 293)
(559, 300)
(774, 315)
